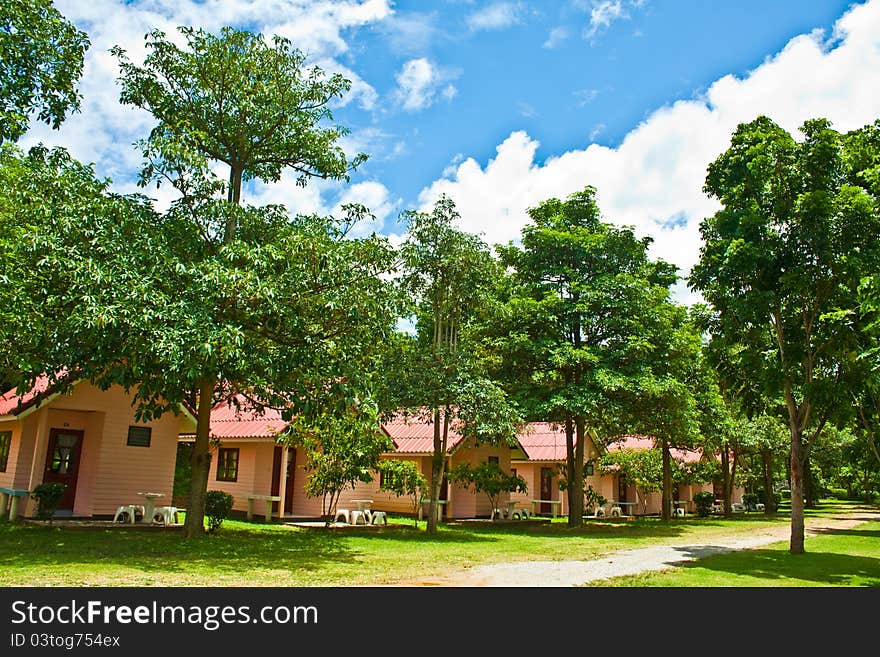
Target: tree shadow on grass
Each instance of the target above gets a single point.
(226, 552)
(855, 531)
(775, 565)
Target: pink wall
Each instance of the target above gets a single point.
(110, 473)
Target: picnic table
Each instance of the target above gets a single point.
(150, 505)
(555, 505)
(10, 497)
(424, 501)
(268, 499)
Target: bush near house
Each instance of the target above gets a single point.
(48, 496)
(704, 501)
(218, 504)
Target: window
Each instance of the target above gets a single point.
(5, 442)
(227, 464)
(139, 436)
(493, 459)
(513, 472)
(588, 470)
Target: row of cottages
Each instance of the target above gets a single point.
(545, 459)
(88, 439)
(250, 463)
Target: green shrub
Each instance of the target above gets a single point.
(48, 497)
(838, 493)
(218, 504)
(704, 501)
(762, 497)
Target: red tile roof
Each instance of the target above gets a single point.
(415, 435)
(543, 441)
(229, 421)
(646, 442)
(11, 403)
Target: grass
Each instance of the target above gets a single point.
(848, 557)
(252, 554)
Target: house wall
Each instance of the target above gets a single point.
(464, 502)
(252, 480)
(110, 472)
(12, 474)
(531, 472)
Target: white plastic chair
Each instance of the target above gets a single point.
(165, 515)
(128, 513)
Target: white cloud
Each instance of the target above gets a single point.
(418, 83)
(103, 132)
(375, 196)
(585, 96)
(497, 16)
(605, 12)
(527, 110)
(556, 37)
(653, 179)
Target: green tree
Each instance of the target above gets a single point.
(448, 274)
(780, 266)
(673, 392)
(41, 60)
(642, 468)
(341, 450)
(569, 336)
(488, 478)
(233, 98)
(404, 478)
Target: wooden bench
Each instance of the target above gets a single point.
(554, 506)
(268, 499)
(10, 497)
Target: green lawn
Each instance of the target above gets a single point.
(845, 557)
(245, 554)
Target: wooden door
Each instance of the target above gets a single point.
(546, 489)
(289, 476)
(621, 488)
(62, 463)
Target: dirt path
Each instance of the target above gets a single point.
(630, 562)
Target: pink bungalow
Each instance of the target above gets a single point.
(249, 462)
(544, 456)
(88, 439)
(683, 494)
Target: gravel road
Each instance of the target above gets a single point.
(629, 562)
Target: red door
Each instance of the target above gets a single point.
(62, 463)
(276, 478)
(546, 489)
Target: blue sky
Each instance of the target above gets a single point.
(502, 104)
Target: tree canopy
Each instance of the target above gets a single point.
(569, 337)
(781, 265)
(40, 66)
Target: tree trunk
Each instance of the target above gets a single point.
(767, 467)
(666, 495)
(194, 525)
(796, 545)
(576, 478)
(569, 463)
(726, 487)
(809, 493)
(438, 463)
